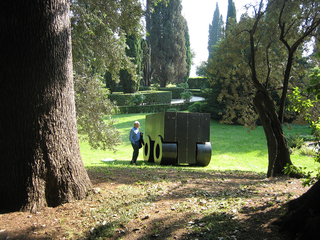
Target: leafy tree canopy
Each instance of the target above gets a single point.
(260, 56)
(99, 30)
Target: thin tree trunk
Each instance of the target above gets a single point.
(40, 156)
(278, 151)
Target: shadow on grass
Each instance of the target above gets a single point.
(210, 227)
(191, 183)
(216, 225)
(137, 188)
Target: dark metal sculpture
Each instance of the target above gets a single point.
(177, 138)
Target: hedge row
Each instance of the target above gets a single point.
(197, 83)
(152, 97)
(175, 91)
(153, 108)
(196, 92)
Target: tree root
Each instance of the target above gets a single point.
(302, 220)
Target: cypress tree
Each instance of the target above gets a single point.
(167, 37)
(146, 47)
(215, 30)
(131, 83)
(145, 64)
(110, 83)
(231, 15)
(188, 52)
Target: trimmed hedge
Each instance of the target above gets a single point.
(143, 108)
(196, 92)
(152, 97)
(141, 88)
(197, 83)
(153, 108)
(175, 91)
(157, 97)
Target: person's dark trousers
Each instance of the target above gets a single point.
(135, 152)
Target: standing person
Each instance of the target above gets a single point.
(134, 138)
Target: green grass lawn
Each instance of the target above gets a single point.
(233, 147)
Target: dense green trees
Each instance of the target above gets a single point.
(168, 47)
(231, 16)
(215, 30)
(258, 56)
(129, 82)
(201, 69)
(99, 30)
(216, 33)
(99, 45)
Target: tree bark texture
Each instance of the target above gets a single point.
(278, 150)
(40, 161)
(303, 217)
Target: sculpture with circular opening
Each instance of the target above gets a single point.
(178, 138)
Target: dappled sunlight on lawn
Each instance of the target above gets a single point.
(233, 147)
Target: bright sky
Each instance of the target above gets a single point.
(199, 15)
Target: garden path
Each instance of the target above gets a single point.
(193, 99)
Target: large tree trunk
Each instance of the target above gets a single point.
(40, 156)
(278, 150)
(303, 217)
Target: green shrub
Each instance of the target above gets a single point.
(186, 95)
(198, 107)
(175, 91)
(156, 86)
(184, 85)
(197, 82)
(307, 151)
(172, 110)
(295, 141)
(136, 99)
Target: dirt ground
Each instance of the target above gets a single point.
(163, 203)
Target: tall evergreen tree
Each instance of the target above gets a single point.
(145, 64)
(131, 83)
(147, 69)
(188, 52)
(167, 38)
(110, 83)
(215, 30)
(231, 15)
